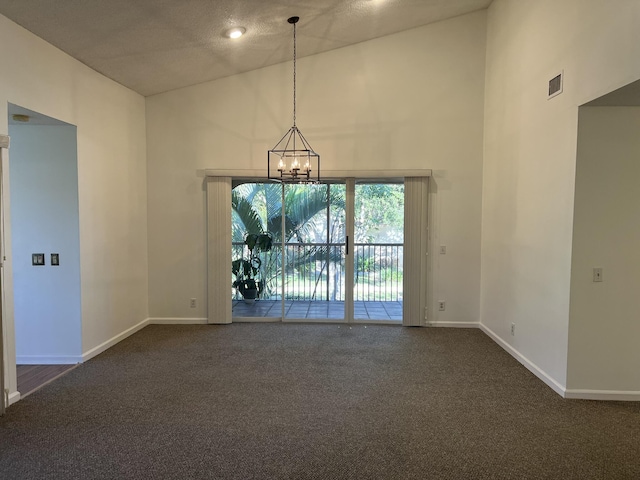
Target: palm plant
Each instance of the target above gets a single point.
(257, 208)
(246, 270)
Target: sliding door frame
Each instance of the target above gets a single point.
(347, 316)
(4, 145)
(219, 306)
(349, 269)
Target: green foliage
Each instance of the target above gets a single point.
(246, 270)
(379, 212)
(257, 209)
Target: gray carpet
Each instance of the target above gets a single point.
(274, 401)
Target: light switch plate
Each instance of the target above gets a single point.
(597, 274)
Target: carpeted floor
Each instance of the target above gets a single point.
(274, 401)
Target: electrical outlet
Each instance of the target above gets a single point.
(442, 305)
(443, 249)
(513, 329)
(192, 303)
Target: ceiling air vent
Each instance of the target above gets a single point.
(555, 85)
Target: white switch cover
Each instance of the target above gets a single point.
(597, 274)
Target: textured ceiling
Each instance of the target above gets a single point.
(153, 46)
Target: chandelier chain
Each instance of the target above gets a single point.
(292, 160)
(294, 74)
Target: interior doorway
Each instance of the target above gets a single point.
(44, 233)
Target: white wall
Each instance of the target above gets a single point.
(111, 179)
(604, 331)
(530, 157)
(44, 213)
(410, 100)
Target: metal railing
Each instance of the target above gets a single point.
(315, 271)
(378, 272)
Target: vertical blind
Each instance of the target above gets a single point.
(416, 233)
(219, 249)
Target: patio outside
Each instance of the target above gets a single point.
(312, 262)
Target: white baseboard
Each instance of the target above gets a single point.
(110, 343)
(177, 321)
(253, 320)
(13, 398)
(48, 359)
(611, 395)
(453, 324)
(532, 367)
(372, 323)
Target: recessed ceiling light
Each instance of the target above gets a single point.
(236, 32)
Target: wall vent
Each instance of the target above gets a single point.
(555, 85)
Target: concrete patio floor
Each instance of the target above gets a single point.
(318, 310)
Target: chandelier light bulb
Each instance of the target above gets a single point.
(236, 32)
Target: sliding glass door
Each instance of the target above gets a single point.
(314, 254)
(323, 252)
(378, 252)
(256, 250)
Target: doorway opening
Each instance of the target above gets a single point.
(45, 242)
(335, 251)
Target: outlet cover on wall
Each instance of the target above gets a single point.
(442, 305)
(192, 303)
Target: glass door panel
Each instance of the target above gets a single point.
(289, 247)
(378, 251)
(314, 276)
(256, 219)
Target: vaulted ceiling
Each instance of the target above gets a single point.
(153, 46)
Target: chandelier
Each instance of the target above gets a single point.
(292, 160)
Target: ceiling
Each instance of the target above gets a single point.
(153, 46)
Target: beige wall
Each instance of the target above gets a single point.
(410, 100)
(111, 179)
(530, 157)
(604, 331)
(436, 97)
